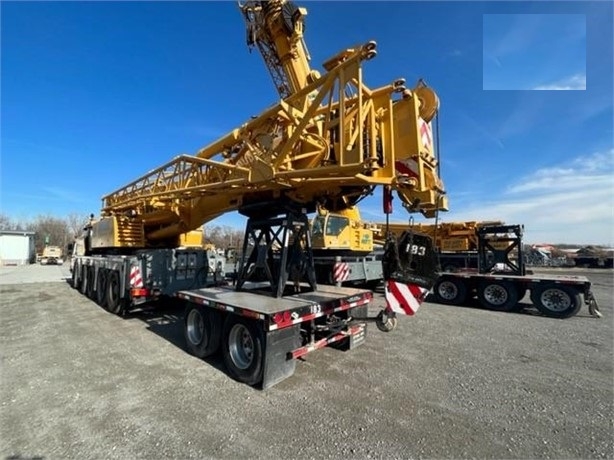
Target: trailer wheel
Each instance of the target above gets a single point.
(202, 331)
(556, 301)
(243, 349)
(115, 304)
(101, 288)
(450, 291)
(498, 295)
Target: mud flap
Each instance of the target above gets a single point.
(277, 365)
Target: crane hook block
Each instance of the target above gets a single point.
(411, 259)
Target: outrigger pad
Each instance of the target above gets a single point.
(411, 259)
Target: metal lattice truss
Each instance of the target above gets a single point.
(334, 137)
(183, 178)
(276, 28)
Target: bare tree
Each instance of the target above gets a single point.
(6, 223)
(75, 223)
(49, 230)
(223, 236)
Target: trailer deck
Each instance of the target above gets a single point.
(278, 312)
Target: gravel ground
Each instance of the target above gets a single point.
(450, 382)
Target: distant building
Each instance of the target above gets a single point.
(17, 247)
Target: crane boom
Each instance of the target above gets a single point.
(327, 144)
(276, 28)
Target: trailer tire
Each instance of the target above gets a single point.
(498, 295)
(202, 330)
(556, 301)
(115, 304)
(243, 349)
(450, 291)
(101, 288)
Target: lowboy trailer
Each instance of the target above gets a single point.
(261, 337)
(502, 280)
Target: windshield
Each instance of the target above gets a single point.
(335, 225)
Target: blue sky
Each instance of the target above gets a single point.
(534, 51)
(95, 94)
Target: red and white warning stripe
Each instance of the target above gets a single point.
(404, 298)
(407, 167)
(426, 134)
(136, 280)
(341, 272)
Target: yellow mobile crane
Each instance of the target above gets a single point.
(326, 144)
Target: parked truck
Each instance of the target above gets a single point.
(482, 259)
(329, 142)
(349, 250)
(52, 255)
(344, 249)
(501, 280)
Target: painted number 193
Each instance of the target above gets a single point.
(414, 249)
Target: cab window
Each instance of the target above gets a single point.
(335, 225)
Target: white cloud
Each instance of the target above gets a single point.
(572, 83)
(567, 203)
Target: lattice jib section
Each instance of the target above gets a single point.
(184, 177)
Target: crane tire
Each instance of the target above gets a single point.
(498, 295)
(76, 282)
(202, 330)
(83, 277)
(556, 301)
(101, 288)
(115, 304)
(90, 289)
(243, 349)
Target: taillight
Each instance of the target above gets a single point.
(280, 318)
(139, 292)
